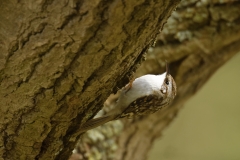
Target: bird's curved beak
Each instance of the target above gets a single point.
(167, 69)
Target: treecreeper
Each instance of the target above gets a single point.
(142, 96)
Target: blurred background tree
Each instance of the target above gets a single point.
(208, 125)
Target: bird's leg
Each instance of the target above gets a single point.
(129, 85)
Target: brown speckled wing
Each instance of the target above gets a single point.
(143, 106)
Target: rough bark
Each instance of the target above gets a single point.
(59, 62)
(199, 38)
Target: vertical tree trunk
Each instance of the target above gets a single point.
(59, 62)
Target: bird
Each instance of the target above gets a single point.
(140, 97)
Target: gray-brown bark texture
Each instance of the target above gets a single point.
(60, 60)
(199, 37)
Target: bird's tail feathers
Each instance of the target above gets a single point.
(93, 123)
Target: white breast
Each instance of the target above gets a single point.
(142, 86)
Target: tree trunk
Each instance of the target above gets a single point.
(198, 39)
(59, 62)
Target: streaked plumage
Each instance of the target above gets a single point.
(145, 95)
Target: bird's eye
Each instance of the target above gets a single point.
(167, 81)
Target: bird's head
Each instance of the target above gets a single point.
(169, 87)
